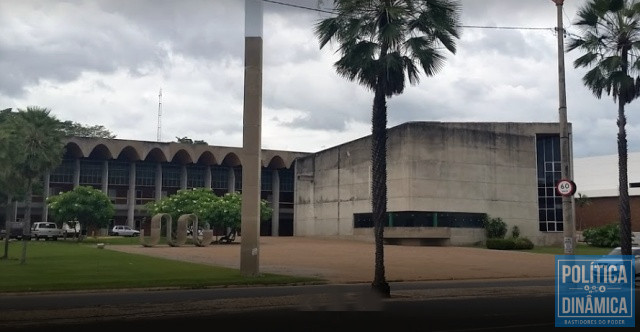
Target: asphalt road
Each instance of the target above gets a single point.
(438, 304)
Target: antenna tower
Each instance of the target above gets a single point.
(160, 115)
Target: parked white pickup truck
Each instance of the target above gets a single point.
(45, 230)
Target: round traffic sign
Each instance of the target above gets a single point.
(566, 187)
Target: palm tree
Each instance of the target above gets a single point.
(610, 40)
(382, 43)
(35, 141)
(582, 201)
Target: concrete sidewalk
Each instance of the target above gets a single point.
(350, 261)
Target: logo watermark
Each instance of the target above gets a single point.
(595, 291)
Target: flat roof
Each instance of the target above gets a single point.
(598, 176)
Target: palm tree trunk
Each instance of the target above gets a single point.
(624, 209)
(379, 186)
(7, 229)
(26, 236)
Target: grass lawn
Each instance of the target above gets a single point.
(65, 265)
(581, 249)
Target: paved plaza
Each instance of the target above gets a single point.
(350, 261)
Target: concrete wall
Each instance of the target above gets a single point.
(431, 166)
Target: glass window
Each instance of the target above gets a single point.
(90, 172)
(63, 173)
(266, 179)
(549, 172)
(423, 219)
(171, 176)
(220, 177)
(286, 180)
(145, 174)
(238, 173)
(195, 176)
(118, 173)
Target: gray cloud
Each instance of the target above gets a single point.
(103, 61)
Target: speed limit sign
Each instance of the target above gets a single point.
(566, 187)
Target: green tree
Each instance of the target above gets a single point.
(610, 40)
(12, 186)
(71, 128)
(227, 212)
(34, 145)
(382, 43)
(217, 212)
(582, 201)
(86, 205)
(198, 201)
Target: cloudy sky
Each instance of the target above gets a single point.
(103, 62)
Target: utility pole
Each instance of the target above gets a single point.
(569, 225)
(251, 140)
(160, 115)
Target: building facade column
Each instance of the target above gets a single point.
(231, 184)
(105, 177)
(183, 177)
(45, 195)
(207, 177)
(14, 210)
(275, 203)
(158, 195)
(131, 199)
(76, 173)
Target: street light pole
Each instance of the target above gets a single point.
(565, 153)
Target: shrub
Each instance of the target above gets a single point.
(515, 232)
(522, 243)
(603, 236)
(494, 228)
(500, 244)
(512, 243)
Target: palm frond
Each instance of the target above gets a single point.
(383, 41)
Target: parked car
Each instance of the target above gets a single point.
(71, 229)
(45, 230)
(635, 251)
(15, 230)
(122, 230)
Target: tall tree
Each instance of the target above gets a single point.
(610, 40)
(12, 187)
(34, 139)
(71, 128)
(382, 44)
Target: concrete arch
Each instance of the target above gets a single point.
(276, 163)
(129, 153)
(207, 158)
(293, 164)
(100, 151)
(72, 150)
(182, 157)
(231, 159)
(156, 155)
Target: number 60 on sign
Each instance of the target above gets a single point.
(566, 187)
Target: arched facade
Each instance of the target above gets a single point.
(133, 173)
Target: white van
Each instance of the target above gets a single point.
(45, 230)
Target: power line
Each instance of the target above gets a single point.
(461, 26)
(502, 27)
(300, 7)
